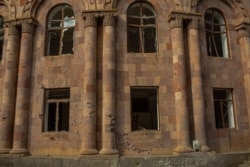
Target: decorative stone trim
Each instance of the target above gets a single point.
(194, 23)
(243, 29)
(90, 20)
(176, 18)
(13, 28)
(109, 19)
(28, 26)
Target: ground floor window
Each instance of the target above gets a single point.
(56, 115)
(144, 108)
(223, 107)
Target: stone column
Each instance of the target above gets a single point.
(23, 89)
(180, 85)
(89, 87)
(10, 57)
(243, 30)
(108, 90)
(196, 84)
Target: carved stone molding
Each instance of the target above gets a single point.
(13, 27)
(109, 19)
(28, 25)
(243, 29)
(176, 18)
(194, 22)
(90, 20)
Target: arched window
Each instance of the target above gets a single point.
(1, 36)
(216, 34)
(60, 35)
(141, 27)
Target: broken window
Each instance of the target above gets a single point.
(144, 108)
(141, 28)
(1, 36)
(223, 107)
(61, 25)
(216, 34)
(56, 116)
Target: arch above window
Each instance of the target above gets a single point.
(60, 30)
(141, 28)
(216, 34)
(1, 36)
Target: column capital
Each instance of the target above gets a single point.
(28, 25)
(176, 18)
(194, 22)
(243, 29)
(13, 27)
(90, 20)
(109, 19)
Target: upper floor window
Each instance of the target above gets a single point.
(216, 34)
(60, 35)
(141, 27)
(1, 36)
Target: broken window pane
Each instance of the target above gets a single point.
(223, 106)
(216, 34)
(61, 25)
(141, 37)
(1, 36)
(54, 44)
(52, 117)
(57, 110)
(149, 37)
(134, 36)
(67, 47)
(144, 108)
(63, 122)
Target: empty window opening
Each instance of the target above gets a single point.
(141, 28)
(61, 25)
(1, 36)
(144, 108)
(216, 34)
(57, 110)
(223, 107)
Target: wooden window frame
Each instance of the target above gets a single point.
(141, 26)
(60, 29)
(213, 49)
(57, 101)
(220, 114)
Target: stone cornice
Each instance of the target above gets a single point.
(243, 29)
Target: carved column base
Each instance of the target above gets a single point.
(89, 152)
(21, 152)
(182, 149)
(106, 151)
(4, 151)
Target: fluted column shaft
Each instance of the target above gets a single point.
(23, 89)
(108, 75)
(180, 86)
(11, 57)
(89, 88)
(196, 84)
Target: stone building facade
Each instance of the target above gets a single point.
(126, 77)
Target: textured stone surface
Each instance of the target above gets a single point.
(194, 160)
